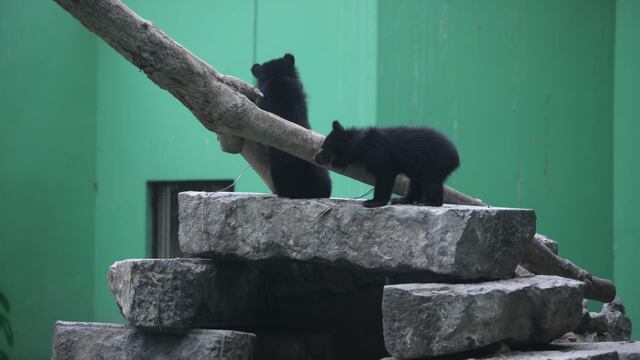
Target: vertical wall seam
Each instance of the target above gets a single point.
(612, 142)
(254, 52)
(94, 240)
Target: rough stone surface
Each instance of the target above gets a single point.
(618, 323)
(75, 341)
(576, 351)
(182, 293)
(610, 324)
(558, 355)
(542, 355)
(626, 350)
(421, 320)
(461, 242)
(269, 298)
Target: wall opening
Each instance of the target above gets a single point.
(163, 211)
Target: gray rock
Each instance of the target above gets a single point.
(271, 297)
(558, 355)
(545, 355)
(422, 320)
(618, 323)
(459, 242)
(75, 341)
(576, 351)
(181, 293)
(610, 324)
(626, 350)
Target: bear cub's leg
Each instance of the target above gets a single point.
(382, 192)
(414, 195)
(433, 192)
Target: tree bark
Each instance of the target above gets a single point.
(224, 105)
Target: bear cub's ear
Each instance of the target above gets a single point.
(289, 59)
(337, 126)
(256, 70)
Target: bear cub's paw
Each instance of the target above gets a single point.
(374, 203)
(404, 201)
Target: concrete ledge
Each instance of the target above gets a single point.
(422, 320)
(577, 351)
(455, 242)
(162, 294)
(627, 350)
(267, 298)
(80, 341)
(542, 355)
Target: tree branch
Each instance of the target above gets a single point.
(224, 105)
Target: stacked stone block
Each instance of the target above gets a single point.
(274, 278)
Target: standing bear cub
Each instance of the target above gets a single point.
(283, 95)
(424, 155)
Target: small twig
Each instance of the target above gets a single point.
(234, 181)
(363, 195)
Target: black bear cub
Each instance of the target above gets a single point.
(279, 82)
(424, 155)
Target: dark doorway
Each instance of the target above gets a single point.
(163, 196)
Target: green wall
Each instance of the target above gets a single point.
(47, 156)
(524, 88)
(145, 134)
(626, 178)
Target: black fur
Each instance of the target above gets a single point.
(424, 155)
(279, 82)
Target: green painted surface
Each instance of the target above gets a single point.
(47, 157)
(524, 88)
(626, 166)
(145, 134)
(334, 42)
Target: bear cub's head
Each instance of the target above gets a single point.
(335, 148)
(283, 67)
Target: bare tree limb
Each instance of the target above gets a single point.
(230, 144)
(255, 153)
(224, 105)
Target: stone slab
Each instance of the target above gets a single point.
(627, 350)
(422, 320)
(265, 298)
(540, 355)
(76, 340)
(611, 324)
(456, 242)
(558, 355)
(182, 293)
(576, 351)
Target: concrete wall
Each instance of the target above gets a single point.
(524, 88)
(144, 134)
(626, 175)
(47, 162)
